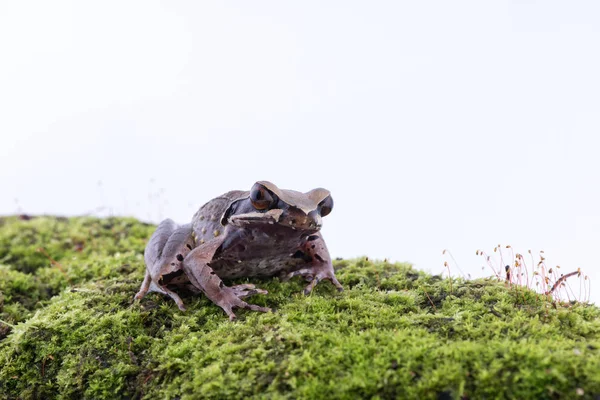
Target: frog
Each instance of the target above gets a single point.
(265, 232)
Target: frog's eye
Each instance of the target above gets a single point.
(326, 206)
(260, 197)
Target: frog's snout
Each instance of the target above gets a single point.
(315, 220)
(300, 220)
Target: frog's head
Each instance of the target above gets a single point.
(266, 204)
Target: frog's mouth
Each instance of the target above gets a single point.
(275, 217)
(270, 217)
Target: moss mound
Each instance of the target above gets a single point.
(71, 330)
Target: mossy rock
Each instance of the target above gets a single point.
(71, 330)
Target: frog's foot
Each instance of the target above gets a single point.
(150, 286)
(247, 289)
(315, 274)
(202, 276)
(156, 287)
(230, 298)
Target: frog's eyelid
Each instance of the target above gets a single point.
(229, 211)
(327, 199)
(326, 205)
(319, 195)
(262, 198)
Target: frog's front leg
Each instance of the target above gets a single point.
(201, 275)
(319, 267)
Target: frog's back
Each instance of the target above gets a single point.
(206, 222)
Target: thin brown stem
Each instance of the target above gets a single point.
(561, 280)
(431, 301)
(52, 261)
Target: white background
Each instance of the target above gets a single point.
(436, 125)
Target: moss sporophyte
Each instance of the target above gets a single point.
(69, 329)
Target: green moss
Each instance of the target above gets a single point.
(393, 333)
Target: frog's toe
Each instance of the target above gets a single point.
(254, 307)
(306, 273)
(144, 288)
(246, 290)
(309, 288)
(330, 277)
(314, 276)
(229, 312)
(336, 283)
(228, 308)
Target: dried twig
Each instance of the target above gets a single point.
(561, 280)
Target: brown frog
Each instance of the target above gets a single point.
(261, 233)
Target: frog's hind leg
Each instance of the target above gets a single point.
(150, 285)
(157, 287)
(164, 256)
